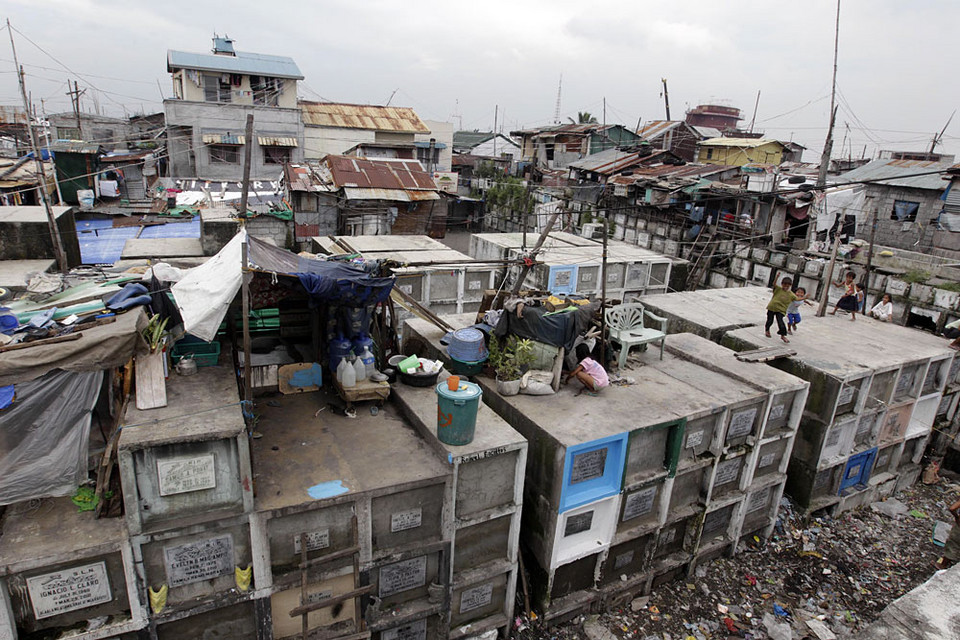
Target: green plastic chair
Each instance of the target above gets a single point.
(626, 326)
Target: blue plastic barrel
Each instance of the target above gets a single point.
(340, 348)
(457, 413)
(360, 341)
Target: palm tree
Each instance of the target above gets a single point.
(584, 117)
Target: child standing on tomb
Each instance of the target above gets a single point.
(847, 302)
(777, 307)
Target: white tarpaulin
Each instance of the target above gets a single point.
(204, 293)
(840, 202)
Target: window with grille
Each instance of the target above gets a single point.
(216, 88)
(224, 154)
(276, 155)
(266, 91)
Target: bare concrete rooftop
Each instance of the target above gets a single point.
(663, 391)
(308, 444)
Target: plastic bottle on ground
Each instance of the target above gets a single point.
(359, 369)
(369, 362)
(349, 379)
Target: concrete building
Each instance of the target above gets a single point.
(113, 134)
(873, 400)
(212, 95)
(907, 202)
(364, 130)
(439, 156)
(636, 488)
(25, 233)
(740, 151)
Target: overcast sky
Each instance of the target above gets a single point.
(457, 61)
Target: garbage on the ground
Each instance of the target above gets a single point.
(892, 508)
(941, 531)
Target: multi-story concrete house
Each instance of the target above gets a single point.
(212, 95)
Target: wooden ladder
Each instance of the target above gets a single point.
(357, 592)
(704, 246)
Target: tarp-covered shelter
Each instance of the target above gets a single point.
(205, 293)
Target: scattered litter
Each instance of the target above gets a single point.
(892, 508)
(941, 531)
(821, 630)
(918, 514)
(639, 604)
(374, 410)
(780, 611)
(349, 412)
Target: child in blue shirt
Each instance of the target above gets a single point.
(793, 311)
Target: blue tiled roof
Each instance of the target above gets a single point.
(257, 64)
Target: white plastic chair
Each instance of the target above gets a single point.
(625, 324)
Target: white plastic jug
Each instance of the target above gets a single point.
(349, 378)
(341, 368)
(359, 369)
(369, 362)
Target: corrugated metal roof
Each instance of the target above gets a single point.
(223, 138)
(657, 128)
(897, 170)
(661, 171)
(362, 116)
(271, 141)
(614, 161)
(12, 115)
(744, 143)
(707, 133)
(308, 178)
(470, 139)
(349, 171)
(76, 146)
(396, 195)
(243, 63)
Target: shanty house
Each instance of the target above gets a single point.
(673, 135)
(363, 196)
(485, 143)
(78, 164)
(740, 151)
(555, 147)
(212, 95)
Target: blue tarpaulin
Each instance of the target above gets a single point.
(343, 285)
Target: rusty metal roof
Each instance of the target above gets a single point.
(349, 171)
(670, 171)
(657, 128)
(362, 116)
(76, 146)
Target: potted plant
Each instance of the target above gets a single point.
(510, 360)
(151, 386)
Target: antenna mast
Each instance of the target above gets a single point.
(556, 113)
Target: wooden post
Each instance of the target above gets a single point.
(245, 306)
(868, 276)
(247, 152)
(603, 296)
(536, 249)
(829, 279)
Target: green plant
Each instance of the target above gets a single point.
(916, 276)
(155, 332)
(950, 286)
(511, 358)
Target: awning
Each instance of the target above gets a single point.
(223, 138)
(396, 195)
(270, 141)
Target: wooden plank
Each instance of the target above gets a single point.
(329, 557)
(151, 386)
(330, 602)
(37, 343)
(765, 354)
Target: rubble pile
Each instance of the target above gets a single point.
(822, 579)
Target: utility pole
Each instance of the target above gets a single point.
(46, 143)
(666, 97)
(604, 112)
(536, 249)
(828, 145)
(75, 102)
(247, 152)
(756, 106)
(41, 172)
(825, 165)
(496, 113)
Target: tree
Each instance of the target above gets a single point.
(584, 117)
